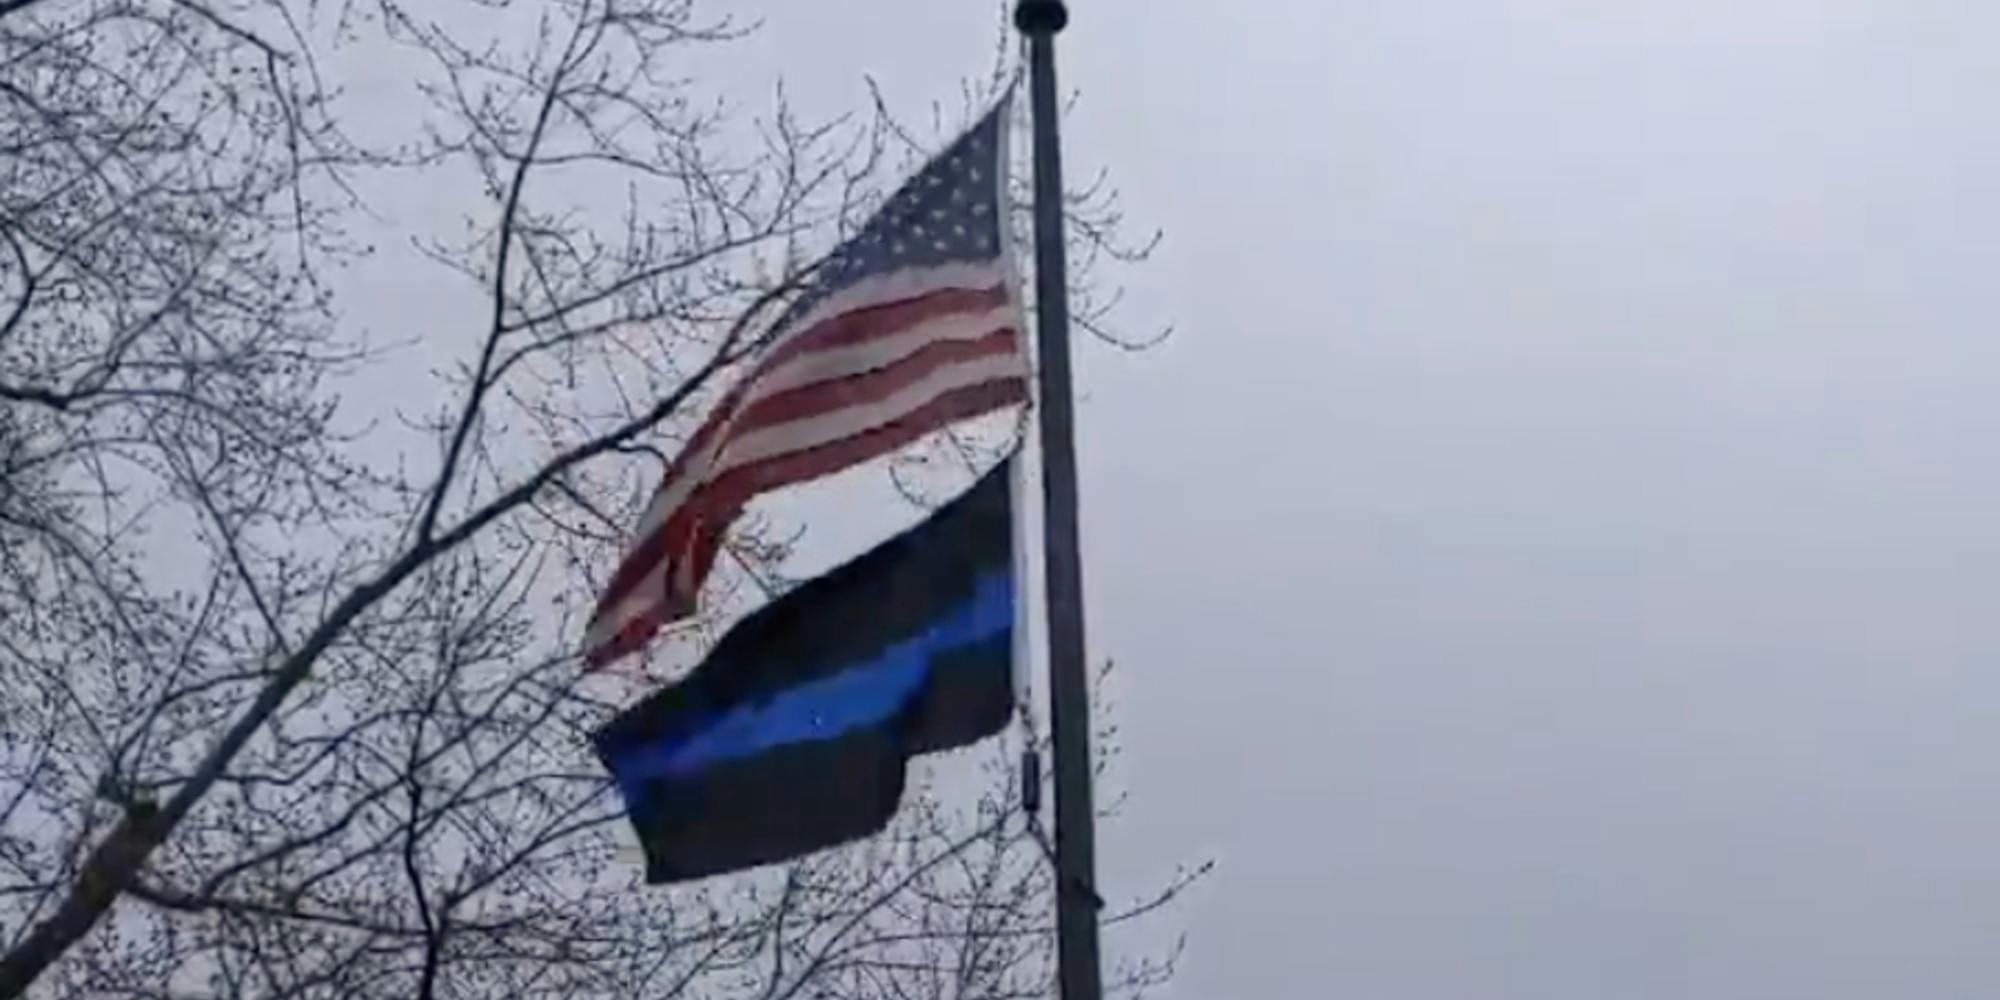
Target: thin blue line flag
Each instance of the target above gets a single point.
(793, 735)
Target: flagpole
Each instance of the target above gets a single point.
(1077, 964)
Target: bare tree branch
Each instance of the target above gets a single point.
(285, 655)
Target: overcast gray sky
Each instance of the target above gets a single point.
(1553, 558)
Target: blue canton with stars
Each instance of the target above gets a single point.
(948, 213)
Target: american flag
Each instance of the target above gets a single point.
(907, 327)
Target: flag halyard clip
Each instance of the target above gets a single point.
(1031, 804)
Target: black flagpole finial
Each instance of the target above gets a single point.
(1040, 17)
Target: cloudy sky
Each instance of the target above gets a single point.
(1553, 557)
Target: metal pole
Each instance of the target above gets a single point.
(1077, 902)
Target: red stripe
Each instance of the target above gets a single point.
(716, 505)
(820, 398)
(707, 545)
(697, 536)
(635, 633)
(714, 423)
(852, 327)
(631, 571)
(861, 325)
(961, 403)
(696, 530)
(806, 402)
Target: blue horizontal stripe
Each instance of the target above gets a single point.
(864, 694)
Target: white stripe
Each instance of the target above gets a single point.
(834, 363)
(861, 295)
(634, 604)
(670, 493)
(880, 290)
(800, 435)
(827, 427)
(895, 286)
(1003, 196)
